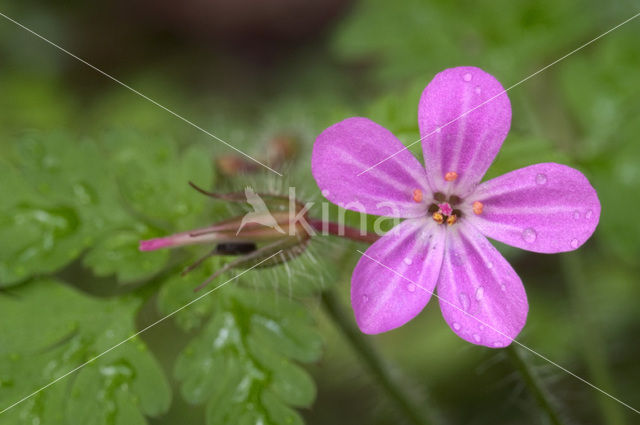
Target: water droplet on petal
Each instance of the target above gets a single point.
(497, 344)
(574, 243)
(476, 338)
(489, 265)
(365, 298)
(479, 293)
(529, 235)
(576, 215)
(456, 326)
(411, 287)
(464, 300)
(478, 90)
(541, 178)
(457, 259)
(325, 192)
(408, 261)
(503, 287)
(467, 77)
(588, 214)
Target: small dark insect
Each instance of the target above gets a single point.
(235, 248)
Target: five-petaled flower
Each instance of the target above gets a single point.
(464, 115)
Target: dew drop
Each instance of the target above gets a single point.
(574, 243)
(576, 215)
(456, 326)
(365, 298)
(541, 178)
(411, 287)
(503, 287)
(489, 265)
(497, 344)
(464, 300)
(479, 293)
(325, 192)
(408, 261)
(529, 235)
(476, 338)
(467, 77)
(478, 90)
(588, 214)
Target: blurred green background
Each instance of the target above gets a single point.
(87, 168)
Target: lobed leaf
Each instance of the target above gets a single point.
(49, 329)
(242, 364)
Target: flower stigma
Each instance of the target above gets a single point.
(443, 210)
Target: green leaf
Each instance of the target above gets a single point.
(413, 38)
(61, 196)
(518, 152)
(599, 93)
(57, 201)
(153, 177)
(118, 254)
(242, 363)
(49, 329)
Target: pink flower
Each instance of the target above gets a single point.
(449, 214)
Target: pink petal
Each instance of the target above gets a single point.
(348, 148)
(395, 278)
(542, 208)
(481, 297)
(468, 145)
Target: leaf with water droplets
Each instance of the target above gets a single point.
(242, 363)
(118, 254)
(153, 178)
(46, 334)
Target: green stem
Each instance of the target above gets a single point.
(361, 344)
(533, 383)
(590, 337)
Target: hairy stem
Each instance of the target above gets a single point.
(328, 227)
(590, 337)
(417, 415)
(534, 385)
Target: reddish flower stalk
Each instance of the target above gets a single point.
(335, 229)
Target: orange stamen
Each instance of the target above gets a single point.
(477, 207)
(451, 176)
(417, 195)
(438, 217)
(452, 219)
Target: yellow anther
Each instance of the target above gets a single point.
(451, 176)
(477, 207)
(438, 217)
(452, 219)
(417, 195)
